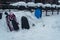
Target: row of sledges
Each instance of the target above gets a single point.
(30, 5)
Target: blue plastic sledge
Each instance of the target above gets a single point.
(38, 13)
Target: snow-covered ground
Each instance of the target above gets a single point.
(46, 28)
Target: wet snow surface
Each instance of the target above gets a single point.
(46, 28)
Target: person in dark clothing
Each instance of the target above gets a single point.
(8, 21)
(12, 18)
(14, 22)
(15, 25)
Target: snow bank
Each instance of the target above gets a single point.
(31, 4)
(53, 5)
(57, 6)
(58, 1)
(47, 5)
(39, 4)
(19, 4)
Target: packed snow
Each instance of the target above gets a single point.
(46, 28)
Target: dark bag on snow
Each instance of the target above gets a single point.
(0, 15)
(25, 23)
